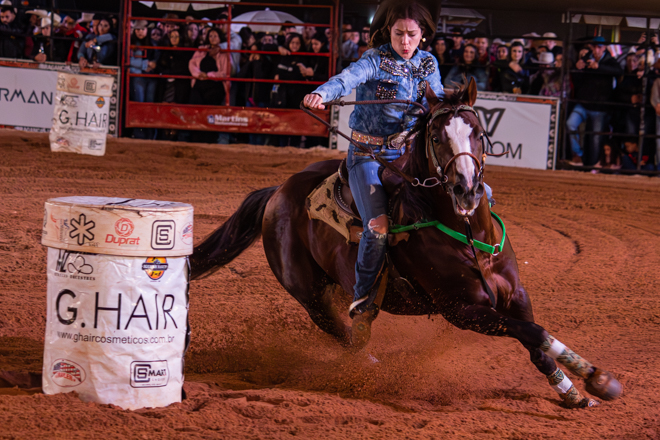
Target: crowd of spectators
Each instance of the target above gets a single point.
(85, 39)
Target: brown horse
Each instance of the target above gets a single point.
(311, 260)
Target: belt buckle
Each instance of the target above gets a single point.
(396, 141)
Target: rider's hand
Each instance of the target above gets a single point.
(313, 101)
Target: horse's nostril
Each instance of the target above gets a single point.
(459, 190)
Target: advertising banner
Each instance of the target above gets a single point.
(27, 97)
(116, 328)
(81, 114)
(525, 126)
(27, 94)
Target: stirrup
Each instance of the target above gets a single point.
(354, 304)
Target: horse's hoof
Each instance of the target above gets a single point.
(361, 329)
(603, 385)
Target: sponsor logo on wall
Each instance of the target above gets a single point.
(490, 118)
(66, 373)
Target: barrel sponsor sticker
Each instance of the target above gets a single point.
(155, 267)
(82, 230)
(123, 228)
(187, 234)
(66, 373)
(148, 374)
(162, 235)
(74, 265)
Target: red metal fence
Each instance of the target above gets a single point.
(220, 117)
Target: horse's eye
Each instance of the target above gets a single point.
(435, 139)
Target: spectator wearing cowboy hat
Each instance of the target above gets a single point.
(43, 43)
(547, 80)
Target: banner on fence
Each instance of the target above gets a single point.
(81, 114)
(27, 97)
(27, 94)
(525, 126)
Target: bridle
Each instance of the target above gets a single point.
(430, 151)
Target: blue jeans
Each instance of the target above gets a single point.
(599, 120)
(143, 89)
(371, 201)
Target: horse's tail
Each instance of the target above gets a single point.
(233, 237)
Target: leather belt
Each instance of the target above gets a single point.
(368, 139)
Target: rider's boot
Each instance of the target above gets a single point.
(364, 310)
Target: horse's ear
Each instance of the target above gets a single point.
(470, 94)
(431, 97)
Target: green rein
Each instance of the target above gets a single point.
(395, 229)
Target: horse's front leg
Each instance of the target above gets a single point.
(544, 350)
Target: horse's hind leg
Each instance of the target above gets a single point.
(543, 349)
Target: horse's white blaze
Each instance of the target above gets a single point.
(459, 133)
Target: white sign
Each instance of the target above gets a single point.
(81, 114)
(525, 126)
(27, 97)
(116, 328)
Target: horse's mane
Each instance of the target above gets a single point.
(414, 202)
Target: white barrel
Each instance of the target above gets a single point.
(117, 325)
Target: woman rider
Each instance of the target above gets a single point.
(394, 68)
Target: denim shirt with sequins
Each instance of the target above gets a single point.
(382, 74)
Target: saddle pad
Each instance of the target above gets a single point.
(321, 206)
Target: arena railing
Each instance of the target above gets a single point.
(223, 118)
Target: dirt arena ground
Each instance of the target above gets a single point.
(589, 251)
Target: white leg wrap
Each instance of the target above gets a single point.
(556, 349)
(563, 386)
